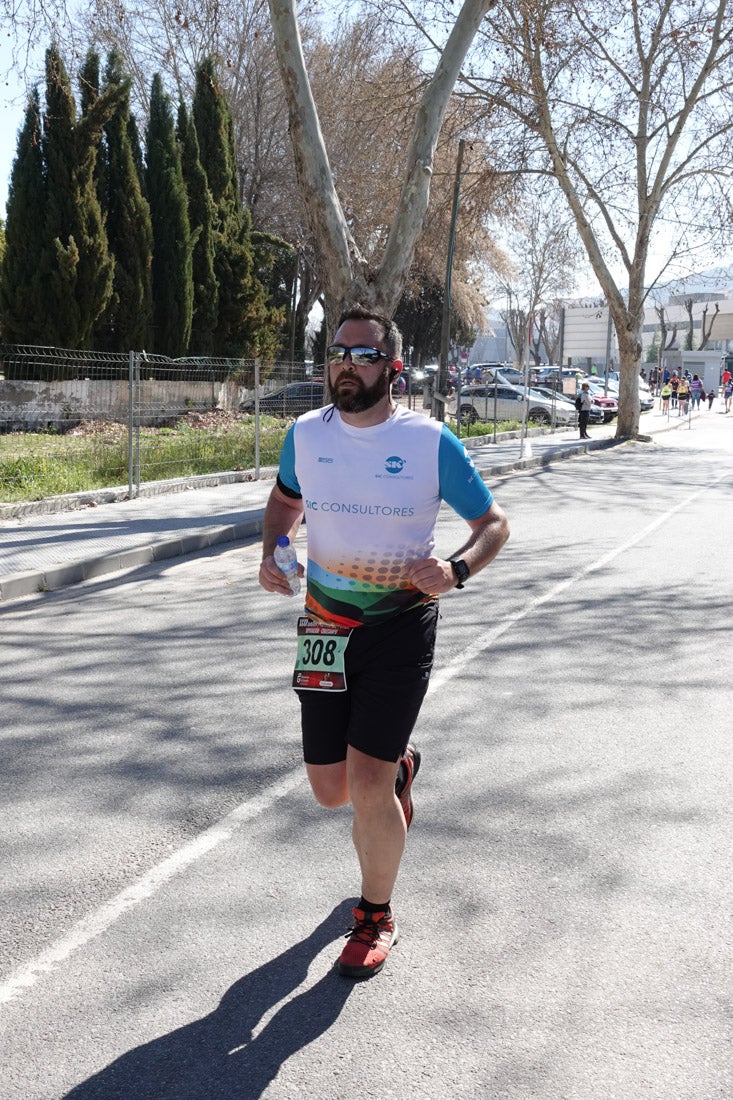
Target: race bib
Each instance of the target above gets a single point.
(319, 665)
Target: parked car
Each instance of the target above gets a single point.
(412, 382)
(615, 376)
(483, 402)
(646, 401)
(496, 372)
(596, 414)
(557, 375)
(416, 378)
(291, 400)
(476, 373)
(512, 375)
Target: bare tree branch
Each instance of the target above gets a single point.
(344, 271)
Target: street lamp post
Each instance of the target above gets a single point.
(442, 381)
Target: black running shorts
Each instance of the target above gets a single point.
(387, 672)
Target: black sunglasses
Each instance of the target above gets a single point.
(360, 356)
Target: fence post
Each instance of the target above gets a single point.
(133, 425)
(138, 415)
(130, 423)
(257, 417)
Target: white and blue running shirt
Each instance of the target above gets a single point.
(371, 498)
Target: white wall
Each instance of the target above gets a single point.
(34, 404)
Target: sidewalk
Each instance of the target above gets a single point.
(42, 550)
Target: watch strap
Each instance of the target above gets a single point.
(460, 571)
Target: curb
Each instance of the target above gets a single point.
(71, 502)
(34, 582)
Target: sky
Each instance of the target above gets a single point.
(12, 120)
(29, 46)
(12, 108)
(12, 117)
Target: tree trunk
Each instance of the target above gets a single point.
(343, 272)
(705, 332)
(659, 310)
(690, 325)
(628, 321)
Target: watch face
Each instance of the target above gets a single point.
(461, 570)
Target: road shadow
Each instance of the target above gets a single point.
(218, 1056)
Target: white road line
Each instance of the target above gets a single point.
(488, 638)
(99, 921)
(24, 977)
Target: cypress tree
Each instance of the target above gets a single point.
(201, 218)
(245, 324)
(89, 82)
(22, 305)
(137, 155)
(59, 256)
(75, 263)
(126, 322)
(172, 268)
(88, 98)
(277, 266)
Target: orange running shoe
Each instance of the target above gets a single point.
(369, 943)
(409, 767)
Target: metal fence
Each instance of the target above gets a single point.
(86, 420)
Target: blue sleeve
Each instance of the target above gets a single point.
(461, 485)
(286, 475)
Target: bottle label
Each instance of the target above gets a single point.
(319, 665)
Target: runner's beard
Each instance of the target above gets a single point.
(360, 397)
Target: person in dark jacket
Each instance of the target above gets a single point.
(585, 405)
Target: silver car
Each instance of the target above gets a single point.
(506, 402)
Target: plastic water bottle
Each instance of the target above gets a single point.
(287, 562)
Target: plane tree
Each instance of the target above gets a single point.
(347, 267)
(543, 255)
(627, 105)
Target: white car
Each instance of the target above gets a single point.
(646, 400)
(506, 402)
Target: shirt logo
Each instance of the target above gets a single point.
(394, 464)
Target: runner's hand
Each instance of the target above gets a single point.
(432, 576)
(273, 579)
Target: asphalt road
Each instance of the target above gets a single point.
(173, 899)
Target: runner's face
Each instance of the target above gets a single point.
(356, 389)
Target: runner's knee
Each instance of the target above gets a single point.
(371, 781)
(328, 783)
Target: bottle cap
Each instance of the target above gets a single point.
(283, 540)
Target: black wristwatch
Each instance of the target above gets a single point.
(461, 571)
